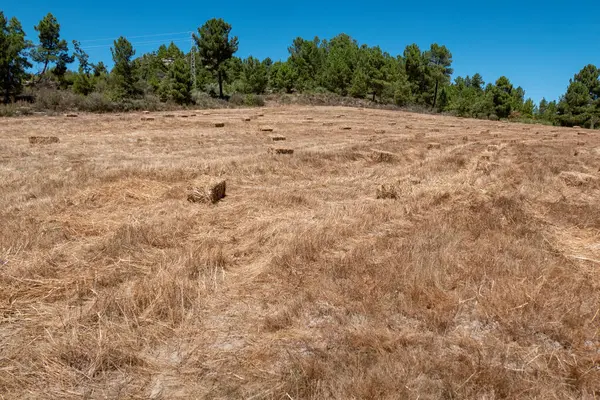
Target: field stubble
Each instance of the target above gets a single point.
(478, 278)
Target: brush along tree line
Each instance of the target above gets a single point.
(339, 65)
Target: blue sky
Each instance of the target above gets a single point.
(538, 45)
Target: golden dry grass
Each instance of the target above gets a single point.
(481, 279)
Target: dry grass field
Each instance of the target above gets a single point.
(391, 256)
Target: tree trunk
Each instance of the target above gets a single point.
(43, 70)
(435, 95)
(373, 96)
(220, 77)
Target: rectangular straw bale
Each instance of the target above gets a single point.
(382, 156)
(43, 139)
(207, 190)
(280, 150)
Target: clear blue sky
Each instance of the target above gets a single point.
(538, 45)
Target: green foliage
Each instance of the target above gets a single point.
(215, 47)
(282, 77)
(51, 49)
(503, 97)
(528, 108)
(581, 104)
(177, 86)
(338, 67)
(307, 58)
(254, 76)
(13, 61)
(438, 68)
(99, 69)
(342, 55)
(123, 73)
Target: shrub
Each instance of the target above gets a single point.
(254, 100)
(97, 102)
(204, 100)
(236, 99)
(57, 100)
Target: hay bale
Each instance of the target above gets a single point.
(309, 118)
(581, 133)
(346, 128)
(169, 115)
(206, 191)
(220, 125)
(431, 146)
(408, 127)
(43, 139)
(382, 156)
(280, 150)
(573, 178)
(386, 191)
(393, 123)
(71, 115)
(146, 112)
(184, 116)
(277, 138)
(327, 123)
(147, 118)
(436, 130)
(266, 129)
(379, 131)
(261, 115)
(246, 119)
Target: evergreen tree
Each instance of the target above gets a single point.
(83, 83)
(13, 61)
(254, 76)
(503, 97)
(307, 59)
(376, 71)
(341, 60)
(177, 86)
(215, 47)
(440, 60)
(581, 104)
(415, 67)
(123, 73)
(282, 77)
(51, 49)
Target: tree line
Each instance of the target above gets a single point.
(341, 65)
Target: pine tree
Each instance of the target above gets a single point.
(83, 83)
(51, 49)
(13, 61)
(215, 47)
(440, 60)
(123, 73)
(177, 86)
(282, 77)
(254, 76)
